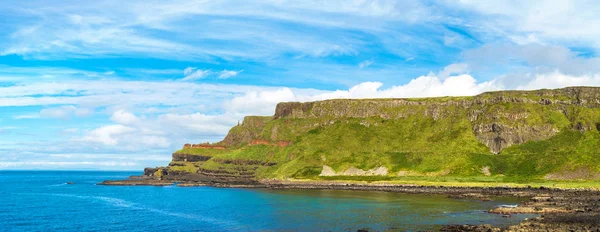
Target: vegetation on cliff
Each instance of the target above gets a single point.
(497, 136)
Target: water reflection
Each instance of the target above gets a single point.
(352, 210)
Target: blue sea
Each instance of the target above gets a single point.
(42, 201)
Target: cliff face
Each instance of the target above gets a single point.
(495, 126)
(246, 132)
(504, 133)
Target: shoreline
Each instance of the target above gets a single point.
(560, 208)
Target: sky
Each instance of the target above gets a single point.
(120, 85)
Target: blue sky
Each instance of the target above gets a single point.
(120, 85)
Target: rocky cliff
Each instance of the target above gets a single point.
(538, 134)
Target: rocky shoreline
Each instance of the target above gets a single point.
(560, 209)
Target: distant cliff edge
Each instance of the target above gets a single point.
(541, 134)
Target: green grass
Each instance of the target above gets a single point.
(201, 151)
(427, 137)
(460, 182)
(187, 167)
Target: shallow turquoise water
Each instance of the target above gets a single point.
(41, 201)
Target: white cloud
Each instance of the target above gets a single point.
(545, 21)
(260, 102)
(93, 93)
(192, 74)
(180, 30)
(559, 80)
(532, 59)
(189, 70)
(27, 116)
(37, 165)
(108, 135)
(65, 112)
(228, 73)
(365, 63)
(123, 117)
(423, 86)
(458, 68)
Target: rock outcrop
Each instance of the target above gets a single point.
(352, 171)
(497, 136)
(204, 146)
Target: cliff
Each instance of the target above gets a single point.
(551, 134)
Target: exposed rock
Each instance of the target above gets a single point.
(327, 171)
(148, 182)
(352, 171)
(497, 136)
(204, 146)
(486, 171)
(477, 196)
(528, 210)
(179, 157)
(190, 184)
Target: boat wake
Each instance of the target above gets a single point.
(56, 185)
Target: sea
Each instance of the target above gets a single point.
(43, 201)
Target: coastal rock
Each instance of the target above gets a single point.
(147, 182)
(476, 196)
(352, 171)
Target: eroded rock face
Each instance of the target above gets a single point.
(178, 157)
(498, 119)
(352, 171)
(498, 136)
(245, 132)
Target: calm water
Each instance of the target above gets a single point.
(41, 201)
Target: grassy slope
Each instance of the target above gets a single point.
(423, 146)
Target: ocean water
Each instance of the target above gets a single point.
(42, 201)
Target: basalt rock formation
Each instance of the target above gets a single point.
(540, 133)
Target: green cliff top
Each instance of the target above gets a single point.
(514, 136)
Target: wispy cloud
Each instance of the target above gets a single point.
(65, 112)
(365, 63)
(192, 74)
(228, 73)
